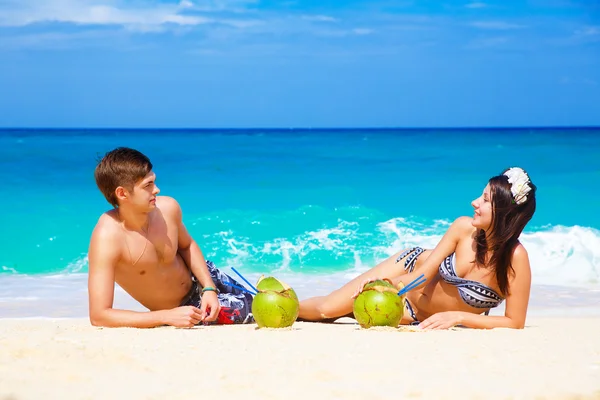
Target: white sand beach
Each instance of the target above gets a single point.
(70, 359)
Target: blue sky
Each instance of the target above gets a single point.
(118, 63)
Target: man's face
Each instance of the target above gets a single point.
(143, 195)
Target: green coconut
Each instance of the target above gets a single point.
(276, 304)
(379, 305)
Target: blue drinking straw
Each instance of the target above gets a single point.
(244, 279)
(421, 279)
(243, 289)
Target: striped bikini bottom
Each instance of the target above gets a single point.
(409, 265)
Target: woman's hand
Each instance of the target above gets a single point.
(442, 320)
(360, 288)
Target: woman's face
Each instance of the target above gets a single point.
(482, 219)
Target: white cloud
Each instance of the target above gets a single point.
(476, 4)
(319, 18)
(349, 32)
(362, 31)
(486, 43)
(186, 4)
(588, 31)
(140, 15)
(496, 25)
(567, 80)
(85, 12)
(58, 40)
(242, 24)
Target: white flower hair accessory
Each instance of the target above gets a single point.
(519, 184)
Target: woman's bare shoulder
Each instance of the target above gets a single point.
(520, 255)
(464, 226)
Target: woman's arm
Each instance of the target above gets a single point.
(449, 319)
(447, 245)
(517, 302)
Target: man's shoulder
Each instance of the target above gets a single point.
(168, 204)
(107, 227)
(106, 244)
(167, 201)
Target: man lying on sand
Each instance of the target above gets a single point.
(143, 245)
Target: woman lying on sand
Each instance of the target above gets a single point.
(478, 263)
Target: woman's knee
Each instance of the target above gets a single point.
(328, 309)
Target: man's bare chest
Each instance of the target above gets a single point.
(154, 248)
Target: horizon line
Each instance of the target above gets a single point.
(508, 127)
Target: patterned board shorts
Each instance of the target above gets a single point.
(236, 305)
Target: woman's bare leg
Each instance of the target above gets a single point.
(339, 302)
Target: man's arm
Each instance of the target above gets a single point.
(103, 256)
(194, 259)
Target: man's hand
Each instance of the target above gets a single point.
(184, 317)
(442, 320)
(210, 302)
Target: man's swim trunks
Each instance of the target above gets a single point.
(236, 305)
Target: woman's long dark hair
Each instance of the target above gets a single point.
(508, 221)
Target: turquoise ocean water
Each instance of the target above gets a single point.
(311, 205)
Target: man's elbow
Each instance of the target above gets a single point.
(184, 247)
(99, 319)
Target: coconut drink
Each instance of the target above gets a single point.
(379, 305)
(276, 304)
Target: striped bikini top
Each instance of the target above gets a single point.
(473, 293)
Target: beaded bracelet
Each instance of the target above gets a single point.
(210, 289)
